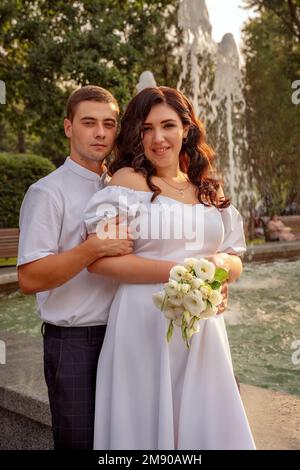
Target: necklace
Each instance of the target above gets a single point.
(179, 190)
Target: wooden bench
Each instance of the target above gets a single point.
(9, 241)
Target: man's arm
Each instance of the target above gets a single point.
(54, 270)
(133, 269)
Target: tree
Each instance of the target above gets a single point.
(51, 47)
(288, 11)
(272, 55)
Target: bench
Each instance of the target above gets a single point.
(9, 241)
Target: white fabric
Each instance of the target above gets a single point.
(50, 223)
(155, 395)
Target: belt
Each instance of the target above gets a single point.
(73, 331)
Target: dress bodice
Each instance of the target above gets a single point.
(167, 228)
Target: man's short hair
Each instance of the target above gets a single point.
(88, 93)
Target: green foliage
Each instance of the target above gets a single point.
(272, 54)
(49, 48)
(17, 173)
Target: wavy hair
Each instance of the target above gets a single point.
(195, 157)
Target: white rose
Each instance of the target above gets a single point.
(174, 313)
(205, 270)
(189, 263)
(209, 312)
(187, 277)
(197, 282)
(171, 287)
(184, 288)
(193, 302)
(177, 273)
(158, 299)
(175, 299)
(206, 291)
(170, 313)
(215, 297)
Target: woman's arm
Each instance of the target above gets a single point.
(133, 269)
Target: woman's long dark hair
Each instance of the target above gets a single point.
(195, 157)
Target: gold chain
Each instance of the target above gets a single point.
(179, 190)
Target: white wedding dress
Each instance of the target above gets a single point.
(157, 395)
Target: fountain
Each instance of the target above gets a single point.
(211, 77)
(262, 322)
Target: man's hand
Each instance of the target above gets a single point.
(112, 239)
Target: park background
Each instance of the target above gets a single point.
(48, 49)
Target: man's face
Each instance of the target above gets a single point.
(93, 130)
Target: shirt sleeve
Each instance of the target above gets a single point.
(40, 225)
(106, 204)
(234, 237)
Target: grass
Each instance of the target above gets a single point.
(255, 241)
(8, 262)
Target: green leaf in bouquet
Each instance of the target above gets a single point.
(221, 275)
(215, 285)
(164, 302)
(183, 329)
(170, 331)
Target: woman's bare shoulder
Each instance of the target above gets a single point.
(129, 178)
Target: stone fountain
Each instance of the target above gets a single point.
(211, 77)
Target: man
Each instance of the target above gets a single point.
(52, 262)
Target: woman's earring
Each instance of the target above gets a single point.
(184, 140)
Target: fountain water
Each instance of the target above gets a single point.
(263, 323)
(197, 55)
(211, 77)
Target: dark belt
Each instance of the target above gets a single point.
(73, 331)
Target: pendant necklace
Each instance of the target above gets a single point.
(179, 190)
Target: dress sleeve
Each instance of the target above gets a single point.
(40, 225)
(234, 237)
(108, 203)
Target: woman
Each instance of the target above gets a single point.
(152, 394)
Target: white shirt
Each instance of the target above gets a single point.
(50, 223)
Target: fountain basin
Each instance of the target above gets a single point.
(24, 410)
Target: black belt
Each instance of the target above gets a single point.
(73, 331)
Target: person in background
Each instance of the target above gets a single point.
(278, 230)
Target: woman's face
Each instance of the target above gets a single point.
(162, 137)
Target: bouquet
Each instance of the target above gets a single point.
(193, 293)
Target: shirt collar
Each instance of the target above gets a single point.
(85, 173)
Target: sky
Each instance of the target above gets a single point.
(226, 16)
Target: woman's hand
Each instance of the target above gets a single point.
(232, 264)
(223, 305)
(221, 260)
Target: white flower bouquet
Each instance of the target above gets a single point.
(193, 293)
